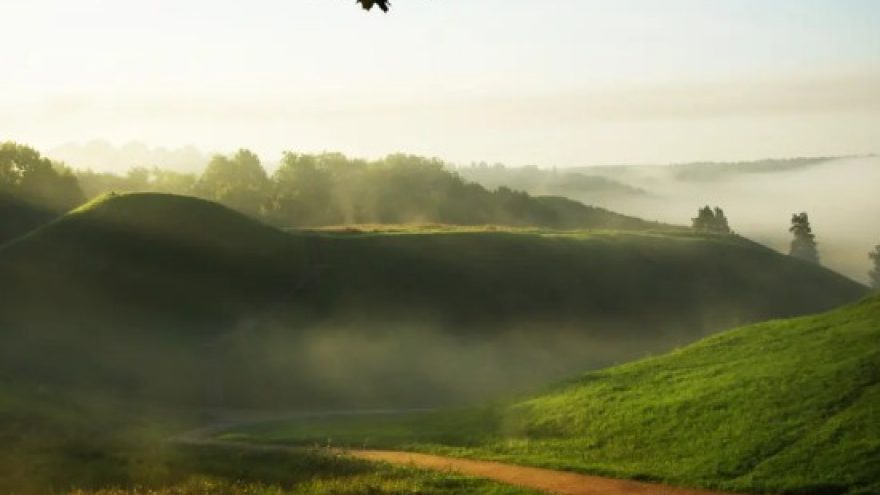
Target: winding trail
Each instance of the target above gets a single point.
(545, 480)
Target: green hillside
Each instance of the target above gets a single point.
(18, 217)
(786, 406)
(108, 291)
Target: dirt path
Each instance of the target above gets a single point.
(546, 480)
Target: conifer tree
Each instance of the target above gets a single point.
(704, 220)
(720, 224)
(803, 245)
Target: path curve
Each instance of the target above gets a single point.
(546, 480)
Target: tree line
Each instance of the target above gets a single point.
(28, 177)
(308, 190)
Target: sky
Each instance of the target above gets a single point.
(550, 82)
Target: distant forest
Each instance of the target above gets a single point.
(310, 190)
(535, 180)
(710, 171)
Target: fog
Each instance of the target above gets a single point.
(417, 364)
(841, 196)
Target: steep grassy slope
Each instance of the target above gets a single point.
(790, 406)
(130, 281)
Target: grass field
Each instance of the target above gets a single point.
(786, 406)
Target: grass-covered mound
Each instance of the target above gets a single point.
(19, 217)
(786, 406)
(223, 302)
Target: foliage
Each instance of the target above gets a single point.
(786, 406)
(33, 190)
(332, 189)
(26, 175)
(239, 182)
(803, 246)
(709, 220)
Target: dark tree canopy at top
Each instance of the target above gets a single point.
(382, 4)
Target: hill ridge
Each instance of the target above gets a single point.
(178, 275)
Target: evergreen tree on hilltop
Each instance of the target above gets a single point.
(803, 246)
(875, 273)
(720, 224)
(711, 220)
(704, 220)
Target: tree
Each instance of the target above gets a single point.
(27, 176)
(368, 4)
(875, 273)
(803, 246)
(239, 182)
(302, 192)
(704, 220)
(711, 220)
(720, 225)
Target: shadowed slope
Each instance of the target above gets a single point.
(126, 282)
(18, 217)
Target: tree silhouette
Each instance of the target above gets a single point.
(720, 225)
(28, 176)
(709, 220)
(704, 220)
(382, 4)
(803, 245)
(875, 273)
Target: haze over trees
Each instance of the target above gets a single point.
(33, 190)
(28, 176)
(308, 190)
(137, 179)
(803, 246)
(754, 190)
(874, 274)
(239, 182)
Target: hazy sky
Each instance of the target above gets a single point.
(552, 82)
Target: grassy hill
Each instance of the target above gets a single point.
(107, 292)
(18, 217)
(786, 406)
